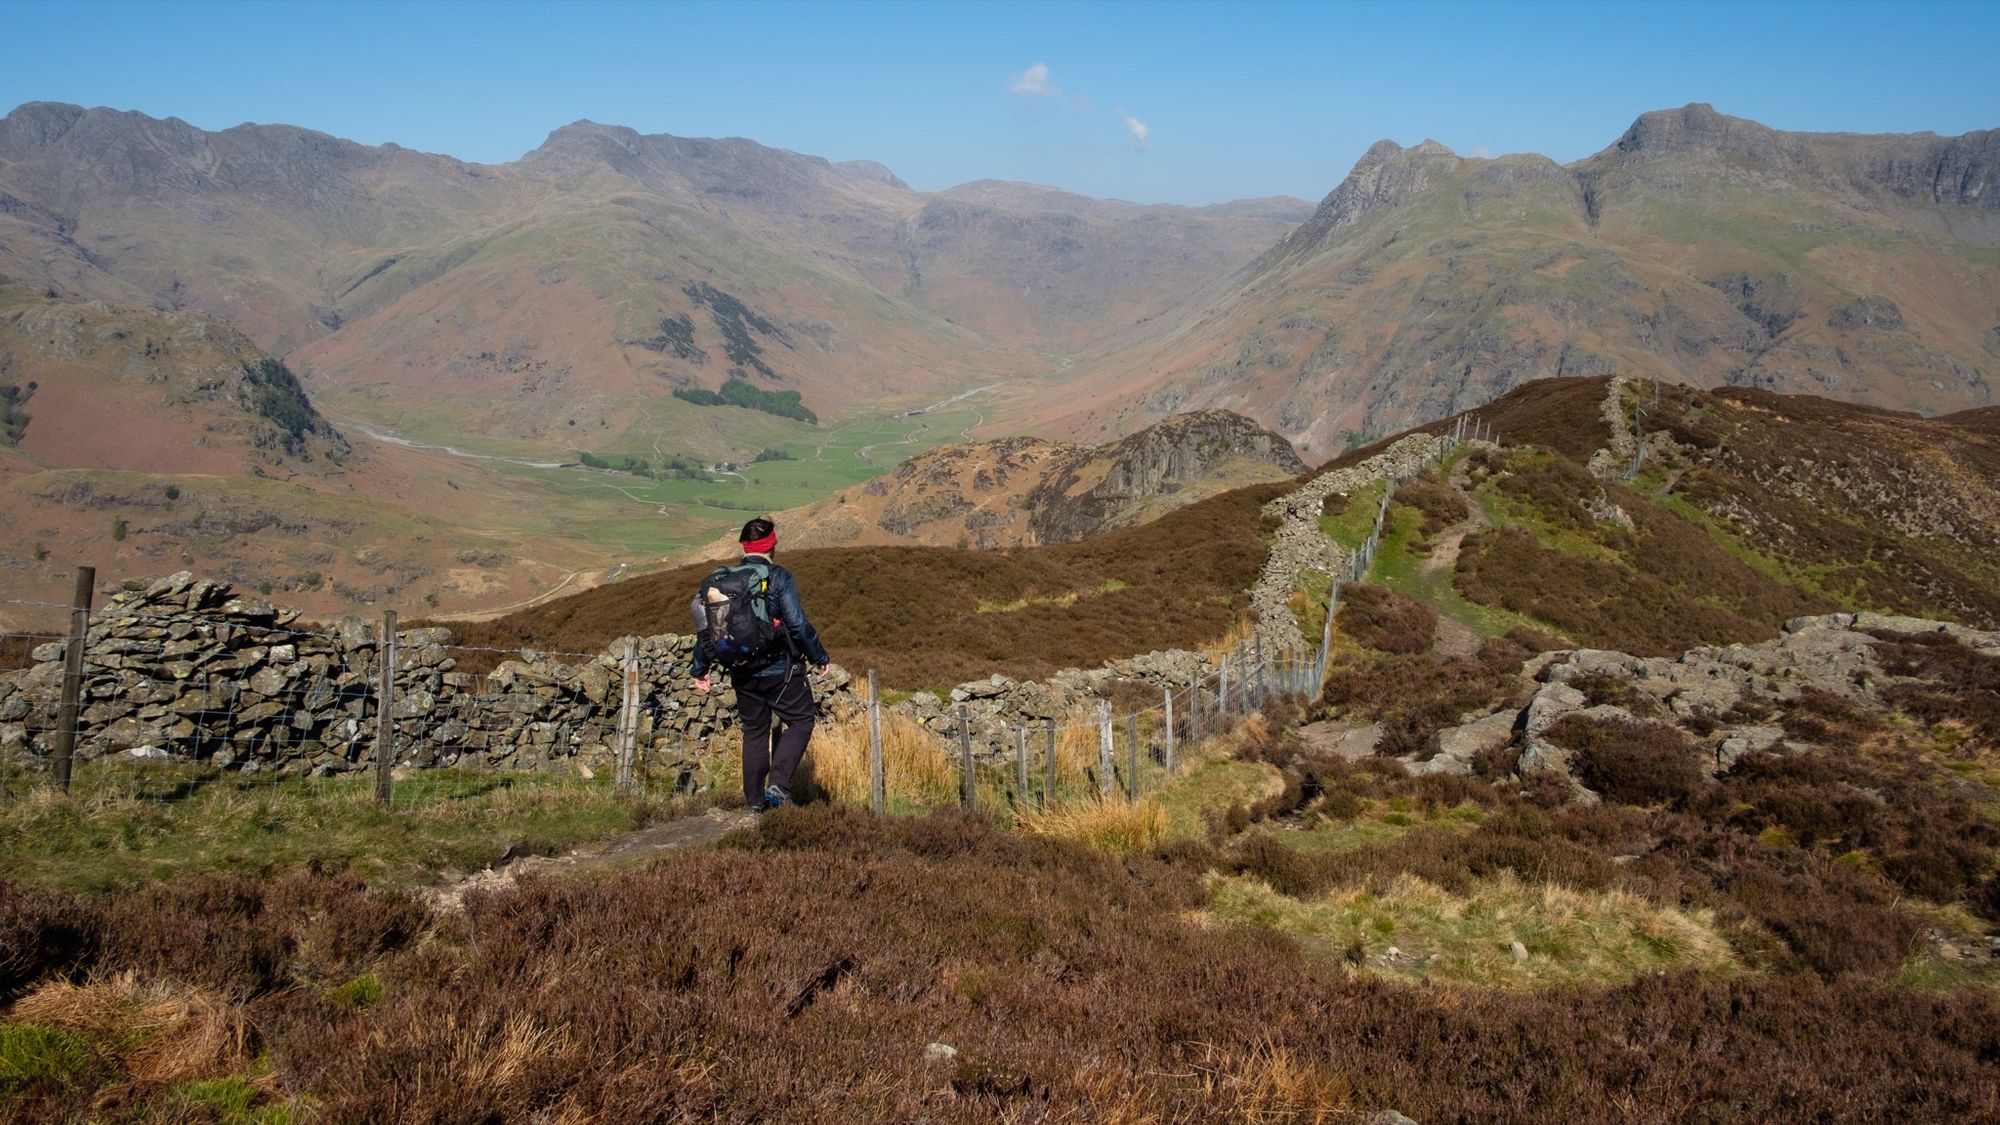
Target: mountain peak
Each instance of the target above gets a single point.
(1696, 127)
(585, 134)
(1386, 175)
(870, 170)
(50, 118)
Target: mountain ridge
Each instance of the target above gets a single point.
(1696, 246)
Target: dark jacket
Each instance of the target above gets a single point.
(785, 607)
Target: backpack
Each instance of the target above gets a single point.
(733, 605)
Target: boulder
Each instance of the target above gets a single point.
(1457, 746)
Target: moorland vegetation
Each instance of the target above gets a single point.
(1762, 944)
(914, 613)
(1284, 933)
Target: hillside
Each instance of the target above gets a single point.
(589, 279)
(1697, 247)
(1018, 492)
(1742, 516)
(1748, 509)
(1487, 873)
(930, 617)
(95, 387)
(138, 440)
(565, 367)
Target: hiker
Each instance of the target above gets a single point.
(752, 625)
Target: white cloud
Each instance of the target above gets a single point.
(1035, 83)
(1482, 152)
(1135, 127)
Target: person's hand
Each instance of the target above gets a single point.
(702, 684)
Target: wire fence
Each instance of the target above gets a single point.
(152, 701)
(1100, 752)
(1466, 428)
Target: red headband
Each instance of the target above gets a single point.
(762, 546)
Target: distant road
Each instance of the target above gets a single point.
(952, 399)
(391, 438)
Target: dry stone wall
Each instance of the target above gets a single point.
(187, 669)
(995, 706)
(1301, 546)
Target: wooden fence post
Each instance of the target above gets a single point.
(1021, 767)
(72, 681)
(1169, 763)
(1105, 771)
(971, 798)
(628, 718)
(1222, 689)
(1049, 779)
(385, 710)
(1194, 705)
(878, 789)
(1132, 741)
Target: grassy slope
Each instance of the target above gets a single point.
(1770, 507)
(913, 612)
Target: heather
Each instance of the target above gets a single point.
(802, 972)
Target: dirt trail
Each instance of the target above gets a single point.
(503, 610)
(629, 849)
(1454, 637)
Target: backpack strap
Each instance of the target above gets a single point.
(762, 590)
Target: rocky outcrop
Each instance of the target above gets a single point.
(1721, 698)
(1159, 460)
(1386, 175)
(1023, 491)
(1960, 171)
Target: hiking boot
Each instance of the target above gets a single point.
(776, 796)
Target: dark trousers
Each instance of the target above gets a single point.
(758, 698)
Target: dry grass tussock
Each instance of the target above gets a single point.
(1570, 936)
(1116, 825)
(920, 768)
(916, 770)
(163, 1032)
(1272, 1082)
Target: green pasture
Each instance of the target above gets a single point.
(638, 519)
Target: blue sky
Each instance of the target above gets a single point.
(1166, 102)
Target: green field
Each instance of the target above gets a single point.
(635, 519)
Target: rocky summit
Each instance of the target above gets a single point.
(1022, 491)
